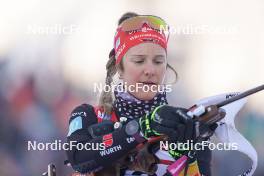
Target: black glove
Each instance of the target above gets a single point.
(170, 121)
(177, 125)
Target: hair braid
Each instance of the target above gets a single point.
(106, 98)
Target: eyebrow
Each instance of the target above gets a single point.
(159, 55)
(138, 55)
(143, 55)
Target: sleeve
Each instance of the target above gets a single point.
(101, 150)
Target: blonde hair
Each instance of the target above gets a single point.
(106, 98)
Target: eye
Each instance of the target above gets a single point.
(159, 61)
(139, 61)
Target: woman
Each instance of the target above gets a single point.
(140, 59)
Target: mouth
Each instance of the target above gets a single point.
(148, 83)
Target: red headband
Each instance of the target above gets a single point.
(125, 40)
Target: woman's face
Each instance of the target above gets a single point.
(144, 65)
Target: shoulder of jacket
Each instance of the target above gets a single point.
(85, 111)
(95, 114)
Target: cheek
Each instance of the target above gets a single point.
(132, 75)
(161, 73)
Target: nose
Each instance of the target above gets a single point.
(149, 70)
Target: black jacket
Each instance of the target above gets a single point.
(83, 161)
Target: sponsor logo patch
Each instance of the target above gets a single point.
(110, 150)
(108, 140)
(130, 139)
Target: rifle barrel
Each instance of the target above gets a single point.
(240, 96)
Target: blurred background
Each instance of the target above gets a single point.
(52, 53)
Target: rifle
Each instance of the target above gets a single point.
(208, 115)
(204, 115)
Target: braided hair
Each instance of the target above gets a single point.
(106, 98)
